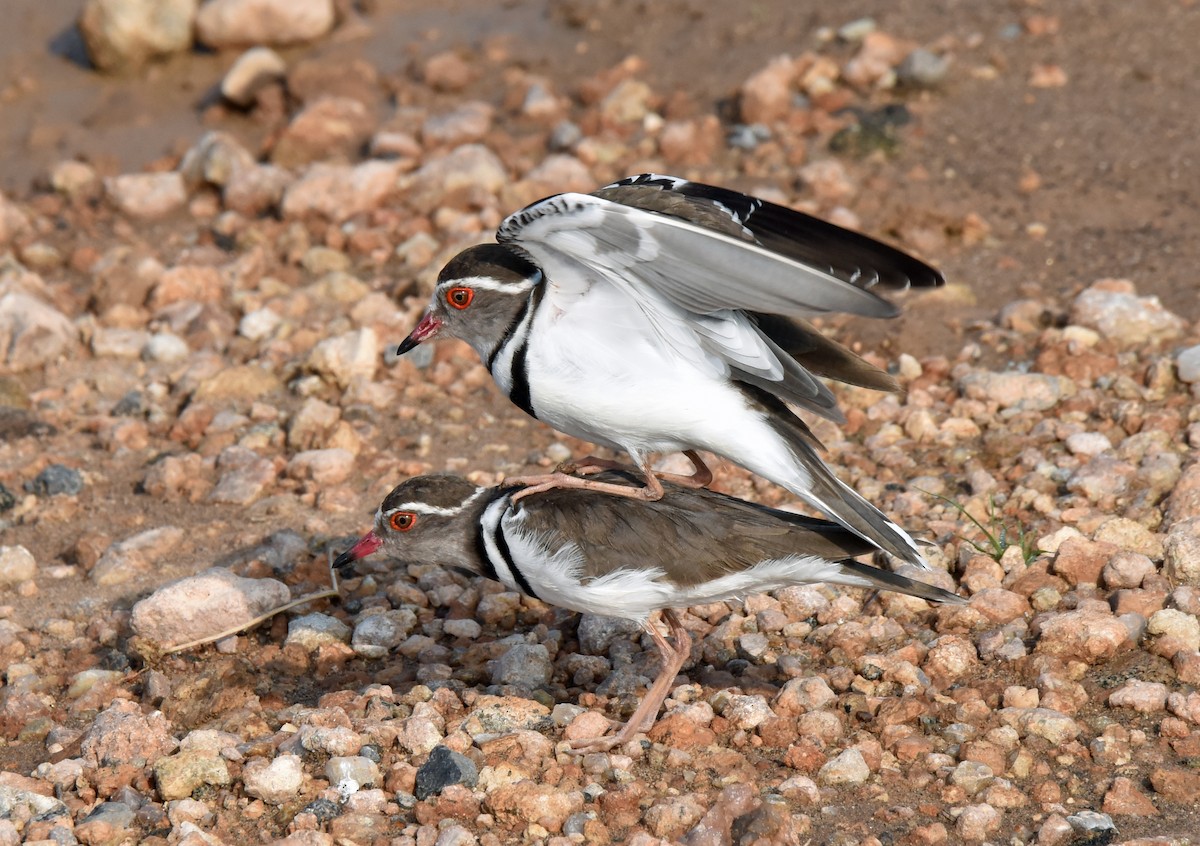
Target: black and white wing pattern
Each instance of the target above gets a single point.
(848, 255)
(708, 249)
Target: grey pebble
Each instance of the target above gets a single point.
(922, 69)
(524, 665)
(56, 479)
(323, 809)
(596, 633)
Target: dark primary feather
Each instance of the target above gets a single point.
(848, 255)
(821, 355)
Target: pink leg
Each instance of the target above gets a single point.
(673, 658)
(563, 477)
(652, 491)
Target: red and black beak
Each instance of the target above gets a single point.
(366, 545)
(426, 329)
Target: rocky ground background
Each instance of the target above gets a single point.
(193, 386)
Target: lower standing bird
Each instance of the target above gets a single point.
(589, 551)
(659, 315)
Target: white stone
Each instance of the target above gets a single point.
(259, 324)
(1188, 364)
(17, 564)
(122, 35)
(1088, 444)
(348, 357)
(847, 768)
(147, 195)
(1172, 622)
(232, 23)
(276, 782)
(313, 631)
(1119, 314)
(165, 347)
(253, 70)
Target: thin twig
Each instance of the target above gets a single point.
(332, 591)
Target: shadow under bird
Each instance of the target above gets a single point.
(659, 315)
(589, 551)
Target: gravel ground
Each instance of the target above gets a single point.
(194, 411)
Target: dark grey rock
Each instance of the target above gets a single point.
(56, 479)
(323, 809)
(7, 500)
(133, 404)
(117, 814)
(444, 768)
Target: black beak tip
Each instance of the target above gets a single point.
(345, 562)
(406, 345)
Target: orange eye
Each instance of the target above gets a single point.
(402, 521)
(460, 297)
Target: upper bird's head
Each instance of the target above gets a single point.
(429, 519)
(480, 295)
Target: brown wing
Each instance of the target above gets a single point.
(694, 535)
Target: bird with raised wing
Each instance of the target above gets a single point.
(659, 315)
(588, 551)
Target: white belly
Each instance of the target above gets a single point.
(613, 380)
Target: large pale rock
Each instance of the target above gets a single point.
(147, 195)
(471, 171)
(203, 605)
(341, 191)
(238, 23)
(122, 35)
(32, 333)
(1084, 635)
(1024, 391)
(347, 358)
(134, 555)
(1112, 307)
(331, 127)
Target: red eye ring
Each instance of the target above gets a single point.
(460, 297)
(402, 521)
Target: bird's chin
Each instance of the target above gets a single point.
(366, 545)
(425, 329)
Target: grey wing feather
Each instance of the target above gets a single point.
(690, 264)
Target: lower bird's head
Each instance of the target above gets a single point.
(480, 295)
(427, 519)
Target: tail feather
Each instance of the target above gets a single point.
(815, 483)
(863, 575)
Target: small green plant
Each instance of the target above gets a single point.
(997, 535)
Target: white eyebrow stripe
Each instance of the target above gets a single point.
(487, 283)
(436, 510)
